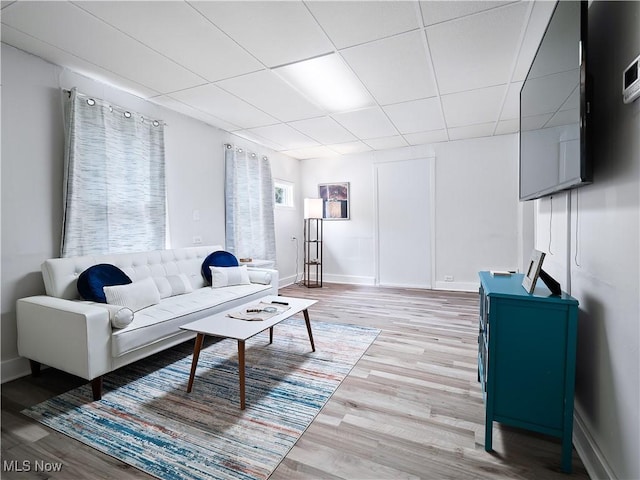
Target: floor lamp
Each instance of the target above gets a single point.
(312, 276)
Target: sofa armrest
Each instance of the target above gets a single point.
(71, 336)
(270, 273)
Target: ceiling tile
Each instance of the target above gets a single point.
(395, 69)
(284, 135)
(268, 92)
(508, 126)
(350, 147)
(323, 129)
(440, 11)
(311, 152)
(68, 27)
(343, 21)
(421, 138)
(54, 55)
(386, 142)
(223, 105)
(276, 32)
(177, 106)
(476, 51)
(472, 131)
(473, 107)
(416, 116)
(179, 32)
(366, 123)
(252, 137)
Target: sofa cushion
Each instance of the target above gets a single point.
(159, 321)
(136, 295)
(219, 258)
(92, 281)
(260, 276)
(173, 285)
(227, 276)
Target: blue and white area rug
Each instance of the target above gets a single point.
(147, 419)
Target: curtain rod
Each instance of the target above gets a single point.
(126, 113)
(239, 150)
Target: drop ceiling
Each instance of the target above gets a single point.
(436, 70)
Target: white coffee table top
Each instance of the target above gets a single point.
(219, 325)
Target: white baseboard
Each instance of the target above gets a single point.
(405, 285)
(361, 280)
(592, 458)
(351, 279)
(457, 286)
(14, 368)
(290, 280)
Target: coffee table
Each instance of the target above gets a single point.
(220, 325)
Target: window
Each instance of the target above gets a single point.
(283, 192)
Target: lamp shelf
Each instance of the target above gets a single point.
(312, 275)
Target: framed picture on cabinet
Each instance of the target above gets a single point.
(533, 271)
(335, 200)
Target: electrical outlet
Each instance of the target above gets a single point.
(448, 278)
(197, 240)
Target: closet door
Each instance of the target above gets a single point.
(403, 223)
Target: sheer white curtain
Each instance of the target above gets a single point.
(114, 179)
(249, 200)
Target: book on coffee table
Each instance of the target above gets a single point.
(259, 312)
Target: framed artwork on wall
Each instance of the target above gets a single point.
(335, 200)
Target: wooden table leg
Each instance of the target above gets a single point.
(305, 312)
(241, 371)
(194, 363)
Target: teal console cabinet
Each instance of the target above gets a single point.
(527, 358)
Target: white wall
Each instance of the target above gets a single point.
(348, 249)
(476, 208)
(476, 204)
(32, 170)
(288, 221)
(594, 234)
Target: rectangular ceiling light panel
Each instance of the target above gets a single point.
(328, 82)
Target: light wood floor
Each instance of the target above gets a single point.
(411, 407)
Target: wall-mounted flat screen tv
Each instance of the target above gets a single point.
(554, 108)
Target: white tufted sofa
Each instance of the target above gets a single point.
(62, 331)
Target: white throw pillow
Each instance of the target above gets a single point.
(120, 316)
(226, 276)
(260, 276)
(173, 285)
(136, 295)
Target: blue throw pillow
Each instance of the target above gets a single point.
(94, 278)
(219, 258)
